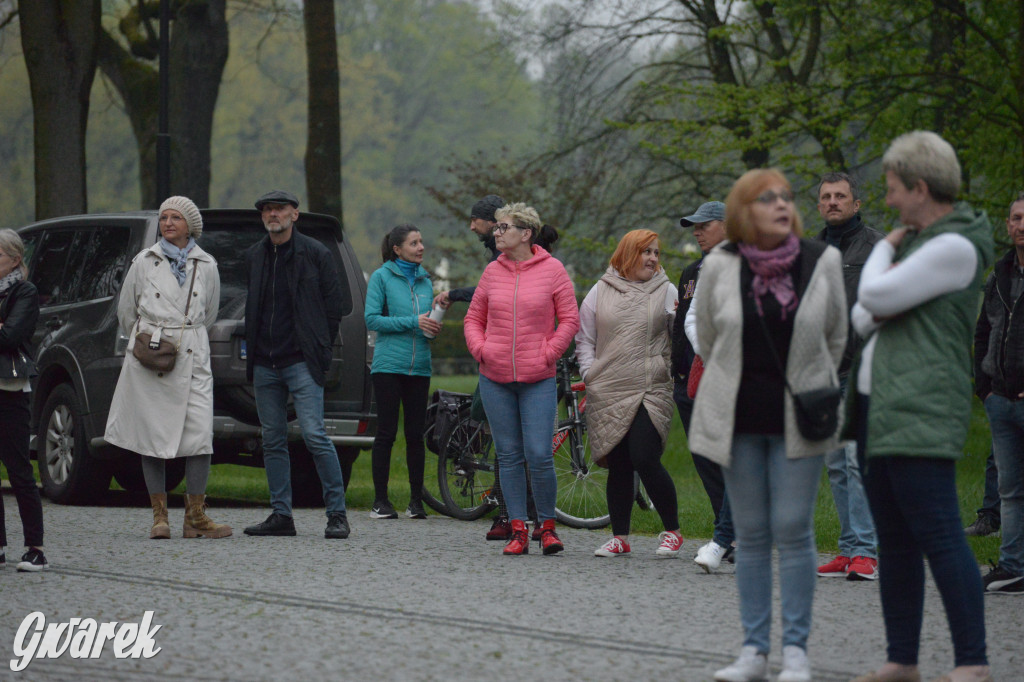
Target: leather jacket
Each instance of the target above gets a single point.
(19, 312)
(855, 245)
(999, 335)
(316, 301)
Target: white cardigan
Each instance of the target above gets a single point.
(816, 348)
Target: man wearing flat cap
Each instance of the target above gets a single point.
(708, 223)
(292, 315)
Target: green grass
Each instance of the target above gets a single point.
(695, 516)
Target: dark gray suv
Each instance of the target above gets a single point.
(78, 264)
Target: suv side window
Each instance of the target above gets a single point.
(49, 264)
(96, 266)
(228, 244)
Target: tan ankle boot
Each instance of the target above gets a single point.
(198, 524)
(160, 529)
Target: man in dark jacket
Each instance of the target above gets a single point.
(839, 205)
(999, 382)
(708, 224)
(292, 315)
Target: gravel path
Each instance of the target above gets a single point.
(422, 600)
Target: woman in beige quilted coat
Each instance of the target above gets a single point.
(623, 347)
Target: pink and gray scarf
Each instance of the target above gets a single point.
(771, 273)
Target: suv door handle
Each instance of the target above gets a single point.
(54, 323)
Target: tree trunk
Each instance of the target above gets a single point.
(59, 40)
(323, 145)
(198, 52)
(138, 85)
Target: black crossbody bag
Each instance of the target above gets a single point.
(817, 410)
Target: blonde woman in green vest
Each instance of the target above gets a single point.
(916, 306)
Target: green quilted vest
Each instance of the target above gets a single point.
(921, 369)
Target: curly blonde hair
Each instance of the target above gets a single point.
(522, 216)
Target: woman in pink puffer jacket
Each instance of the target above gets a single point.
(511, 331)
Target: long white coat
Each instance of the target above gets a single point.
(168, 414)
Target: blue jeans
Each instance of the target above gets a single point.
(724, 533)
(1006, 418)
(990, 502)
(272, 387)
(522, 419)
(856, 527)
(917, 512)
(772, 500)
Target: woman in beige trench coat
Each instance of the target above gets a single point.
(163, 415)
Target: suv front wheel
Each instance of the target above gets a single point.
(69, 472)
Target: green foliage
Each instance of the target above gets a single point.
(422, 82)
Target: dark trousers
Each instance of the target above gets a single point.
(409, 392)
(990, 503)
(710, 473)
(640, 451)
(917, 514)
(14, 425)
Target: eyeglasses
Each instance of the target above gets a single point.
(502, 228)
(770, 197)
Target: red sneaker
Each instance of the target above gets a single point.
(501, 529)
(549, 542)
(837, 568)
(520, 542)
(863, 568)
(671, 541)
(614, 547)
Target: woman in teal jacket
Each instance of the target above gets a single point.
(398, 299)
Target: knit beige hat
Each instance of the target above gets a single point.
(187, 208)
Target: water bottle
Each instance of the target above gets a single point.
(437, 314)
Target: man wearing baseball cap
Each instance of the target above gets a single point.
(292, 315)
(708, 223)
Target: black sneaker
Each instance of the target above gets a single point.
(276, 524)
(416, 510)
(3, 560)
(383, 510)
(730, 554)
(33, 560)
(337, 526)
(984, 525)
(1001, 581)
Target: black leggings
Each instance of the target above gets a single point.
(640, 451)
(392, 390)
(14, 455)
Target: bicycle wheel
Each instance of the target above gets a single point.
(465, 471)
(431, 491)
(581, 501)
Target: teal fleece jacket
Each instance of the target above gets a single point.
(401, 346)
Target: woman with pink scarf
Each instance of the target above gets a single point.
(771, 310)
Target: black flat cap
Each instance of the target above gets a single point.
(277, 196)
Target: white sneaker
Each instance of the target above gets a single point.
(709, 557)
(749, 667)
(795, 666)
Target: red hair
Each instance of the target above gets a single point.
(627, 256)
